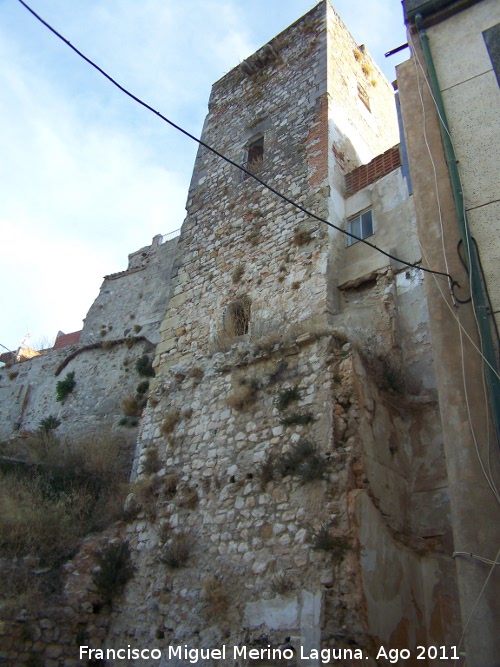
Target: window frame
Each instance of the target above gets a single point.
(254, 155)
(365, 227)
(236, 317)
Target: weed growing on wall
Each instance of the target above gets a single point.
(197, 373)
(151, 462)
(281, 584)
(301, 236)
(170, 421)
(115, 569)
(297, 418)
(48, 424)
(65, 387)
(303, 460)
(144, 366)
(267, 470)
(323, 540)
(286, 397)
(216, 598)
(244, 394)
(385, 371)
(132, 406)
(238, 273)
(176, 553)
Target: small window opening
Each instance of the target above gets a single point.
(361, 226)
(363, 96)
(255, 156)
(237, 317)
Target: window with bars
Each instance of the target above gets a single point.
(236, 317)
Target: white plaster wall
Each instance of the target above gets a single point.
(472, 99)
(394, 228)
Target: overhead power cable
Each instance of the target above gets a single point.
(228, 160)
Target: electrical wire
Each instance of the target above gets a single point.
(461, 328)
(434, 170)
(481, 593)
(228, 160)
(488, 561)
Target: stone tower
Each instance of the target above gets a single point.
(278, 487)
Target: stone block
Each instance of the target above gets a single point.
(277, 614)
(177, 300)
(166, 346)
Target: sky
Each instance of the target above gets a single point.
(87, 176)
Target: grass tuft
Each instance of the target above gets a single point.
(176, 552)
(115, 570)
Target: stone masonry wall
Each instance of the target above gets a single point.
(233, 223)
(223, 490)
(135, 300)
(104, 377)
(254, 568)
(121, 326)
(290, 486)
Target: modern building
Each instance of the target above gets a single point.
(450, 97)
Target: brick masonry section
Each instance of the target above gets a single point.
(369, 173)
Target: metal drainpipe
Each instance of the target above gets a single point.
(478, 297)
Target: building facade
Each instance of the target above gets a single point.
(450, 96)
(294, 410)
(314, 469)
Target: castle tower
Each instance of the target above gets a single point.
(301, 112)
(278, 489)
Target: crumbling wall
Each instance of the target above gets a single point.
(262, 543)
(135, 300)
(121, 326)
(105, 375)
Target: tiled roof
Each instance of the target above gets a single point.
(63, 340)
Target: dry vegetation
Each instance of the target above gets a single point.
(244, 394)
(170, 421)
(63, 491)
(216, 598)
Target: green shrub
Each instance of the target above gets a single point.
(323, 540)
(303, 461)
(286, 397)
(115, 570)
(142, 387)
(65, 387)
(144, 366)
(129, 422)
(267, 470)
(301, 418)
(48, 424)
